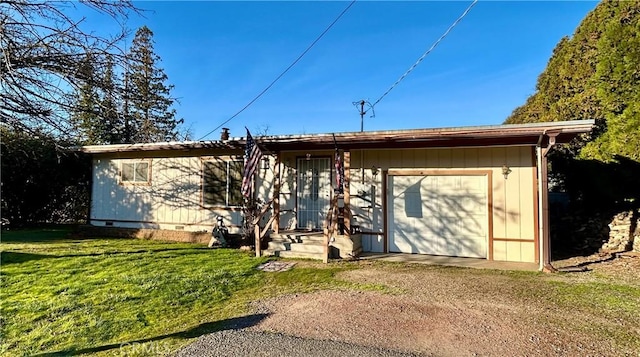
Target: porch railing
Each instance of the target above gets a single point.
(330, 225)
(259, 232)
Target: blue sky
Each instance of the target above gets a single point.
(220, 55)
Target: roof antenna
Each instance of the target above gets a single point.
(362, 103)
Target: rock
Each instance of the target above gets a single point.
(624, 233)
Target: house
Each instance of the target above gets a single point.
(468, 192)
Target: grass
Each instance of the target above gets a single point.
(64, 296)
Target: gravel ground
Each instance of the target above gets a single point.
(264, 344)
(426, 311)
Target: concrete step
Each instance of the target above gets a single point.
(293, 254)
(295, 237)
(279, 245)
(313, 239)
(287, 239)
(307, 247)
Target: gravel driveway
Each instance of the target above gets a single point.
(250, 343)
(425, 311)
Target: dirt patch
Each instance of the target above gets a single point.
(437, 311)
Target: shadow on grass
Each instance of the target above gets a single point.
(197, 331)
(48, 235)
(8, 257)
(15, 257)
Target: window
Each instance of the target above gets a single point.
(222, 183)
(135, 172)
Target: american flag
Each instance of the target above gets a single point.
(339, 173)
(252, 156)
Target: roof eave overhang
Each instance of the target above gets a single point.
(431, 142)
(234, 144)
(497, 135)
(502, 135)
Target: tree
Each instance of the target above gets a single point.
(43, 49)
(111, 117)
(149, 114)
(617, 79)
(40, 183)
(96, 119)
(84, 119)
(595, 75)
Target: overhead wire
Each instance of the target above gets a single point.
(424, 54)
(283, 72)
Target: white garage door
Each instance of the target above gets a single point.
(438, 214)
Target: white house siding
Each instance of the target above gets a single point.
(513, 200)
(172, 200)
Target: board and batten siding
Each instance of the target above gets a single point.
(513, 236)
(171, 200)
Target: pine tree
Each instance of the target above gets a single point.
(96, 119)
(85, 119)
(149, 112)
(110, 115)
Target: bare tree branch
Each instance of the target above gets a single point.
(42, 49)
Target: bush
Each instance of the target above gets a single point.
(42, 181)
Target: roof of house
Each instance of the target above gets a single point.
(491, 135)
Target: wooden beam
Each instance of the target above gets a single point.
(256, 232)
(266, 227)
(329, 227)
(256, 226)
(347, 194)
(544, 194)
(262, 212)
(276, 194)
(385, 229)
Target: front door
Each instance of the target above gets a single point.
(313, 192)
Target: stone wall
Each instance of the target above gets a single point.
(624, 233)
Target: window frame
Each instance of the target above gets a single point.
(135, 163)
(227, 160)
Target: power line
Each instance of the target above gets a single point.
(426, 53)
(284, 72)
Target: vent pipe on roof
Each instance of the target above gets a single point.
(224, 135)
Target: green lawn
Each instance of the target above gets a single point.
(64, 296)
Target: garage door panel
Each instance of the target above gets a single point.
(472, 248)
(439, 215)
(401, 243)
(472, 226)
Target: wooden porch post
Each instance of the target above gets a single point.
(545, 257)
(347, 194)
(276, 194)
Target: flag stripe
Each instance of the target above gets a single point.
(339, 173)
(252, 156)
